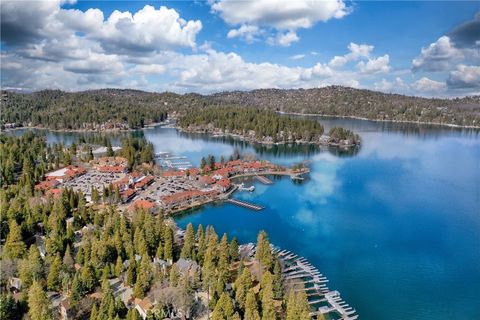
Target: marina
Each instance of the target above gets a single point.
(168, 160)
(300, 275)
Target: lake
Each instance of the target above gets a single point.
(395, 225)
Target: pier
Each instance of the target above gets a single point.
(244, 204)
(303, 276)
(264, 180)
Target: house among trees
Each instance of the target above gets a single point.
(143, 306)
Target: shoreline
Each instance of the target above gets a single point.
(114, 130)
(380, 120)
(266, 143)
(156, 124)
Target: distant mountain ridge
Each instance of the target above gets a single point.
(123, 104)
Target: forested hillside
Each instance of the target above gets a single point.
(127, 109)
(343, 101)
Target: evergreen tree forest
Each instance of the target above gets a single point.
(248, 121)
(74, 256)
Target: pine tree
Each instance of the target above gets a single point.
(234, 249)
(31, 268)
(131, 272)
(67, 259)
(53, 278)
(251, 307)
(88, 277)
(189, 243)
(143, 277)
(118, 267)
(94, 312)
(174, 276)
(14, 245)
(297, 306)
(277, 280)
(201, 244)
(243, 284)
(266, 294)
(168, 240)
(224, 308)
(159, 253)
(223, 260)
(77, 290)
(263, 252)
(38, 303)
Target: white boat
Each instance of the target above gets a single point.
(242, 187)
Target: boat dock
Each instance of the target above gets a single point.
(264, 180)
(303, 276)
(245, 204)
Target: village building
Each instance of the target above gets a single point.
(145, 205)
(223, 185)
(65, 174)
(47, 184)
(187, 267)
(143, 306)
(127, 195)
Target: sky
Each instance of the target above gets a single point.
(424, 48)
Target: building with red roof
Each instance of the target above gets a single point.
(142, 204)
(127, 195)
(143, 182)
(46, 185)
(223, 185)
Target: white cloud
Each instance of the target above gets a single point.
(279, 15)
(95, 63)
(428, 86)
(438, 56)
(247, 32)
(464, 77)
(375, 65)
(148, 69)
(26, 24)
(357, 51)
(398, 85)
(284, 39)
(147, 30)
(297, 57)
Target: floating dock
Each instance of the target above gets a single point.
(244, 204)
(264, 180)
(303, 276)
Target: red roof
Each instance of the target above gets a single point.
(224, 171)
(173, 174)
(234, 163)
(206, 180)
(224, 183)
(145, 181)
(141, 204)
(181, 196)
(127, 193)
(194, 171)
(45, 185)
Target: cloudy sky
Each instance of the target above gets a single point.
(428, 48)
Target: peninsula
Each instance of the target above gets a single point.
(263, 126)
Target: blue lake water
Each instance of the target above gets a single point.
(395, 226)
